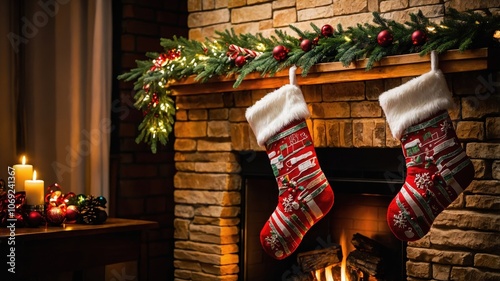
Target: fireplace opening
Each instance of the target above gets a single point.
(364, 181)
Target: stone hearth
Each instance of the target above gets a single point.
(212, 137)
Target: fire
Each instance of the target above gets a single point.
(343, 267)
(328, 273)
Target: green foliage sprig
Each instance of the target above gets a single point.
(184, 57)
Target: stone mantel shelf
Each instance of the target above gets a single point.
(389, 67)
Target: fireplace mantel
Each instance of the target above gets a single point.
(389, 67)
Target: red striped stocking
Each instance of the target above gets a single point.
(305, 196)
(438, 169)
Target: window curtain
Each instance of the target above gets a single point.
(66, 89)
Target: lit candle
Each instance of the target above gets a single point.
(34, 191)
(23, 172)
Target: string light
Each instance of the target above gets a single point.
(496, 35)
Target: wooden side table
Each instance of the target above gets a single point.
(45, 251)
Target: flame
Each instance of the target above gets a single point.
(24, 160)
(328, 273)
(343, 244)
(34, 175)
(317, 275)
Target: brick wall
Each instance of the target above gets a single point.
(211, 130)
(252, 16)
(142, 186)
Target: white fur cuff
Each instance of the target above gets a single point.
(276, 110)
(415, 101)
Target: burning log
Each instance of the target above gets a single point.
(369, 256)
(319, 259)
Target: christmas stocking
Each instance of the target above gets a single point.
(438, 169)
(305, 196)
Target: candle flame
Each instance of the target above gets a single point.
(24, 160)
(34, 175)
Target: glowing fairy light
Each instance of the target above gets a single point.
(260, 47)
(431, 29)
(347, 39)
(496, 35)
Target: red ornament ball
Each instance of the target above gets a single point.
(306, 45)
(55, 215)
(34, 219)
(240, 61)
(72, 213)
(280, 52)
(418, 37)
(327, 30)
(385, 38)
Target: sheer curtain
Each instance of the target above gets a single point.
(67, 92)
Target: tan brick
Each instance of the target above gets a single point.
(205, 257)
(278, 4)
(416, 3)
(217, 167)
(183, 211)
(184, 144)
(251, 13)
(373, 5)
(221, 4)
(192, 129)
(196, 34)
(199, 19)
(487, 260)
(219, 198)
(368, 132)
(482, 168)
(349, 91)
(181, 115)
(181, 228)
(236, 3)
(329, 110)
(491, 187)
(345, 7)
(493, 127)
(183, 274)
(247, 27)
(391, 5)
(217, 211)
(471, 273)
(470, 130)
(471, 239)
(467, 219)
(237, 115)
(218, 114)
(284, 17)
(199, 101)
(440, 271)
(338, 133)
(315, 13)
(194, 5)
(319, 133)
(486, 202)
(304, 4)
(209, 31)
(454, 110)
(197, 114)
(390, 141)
(221, 270)
(473, 107)
(208, 5)
(216, 221)
(495, 168)
(312, 93)
(366, 109)
(440, 256)
(192, 266)
(464, 5)
(197, 181)
(418, 269)
(373, 89)
(213, 145)
(265, 24)
(433, 11)
(206, 157)
(218, 129)
(240, 136)
(483, 150)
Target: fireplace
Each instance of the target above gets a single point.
(364, 181)
(216, 151)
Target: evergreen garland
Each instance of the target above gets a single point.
(211, 58)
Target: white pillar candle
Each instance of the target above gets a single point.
(23, 172)
(34, 191)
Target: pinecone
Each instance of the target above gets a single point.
(92, 212)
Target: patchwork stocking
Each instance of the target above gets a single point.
(305, 196)
(438, 169)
